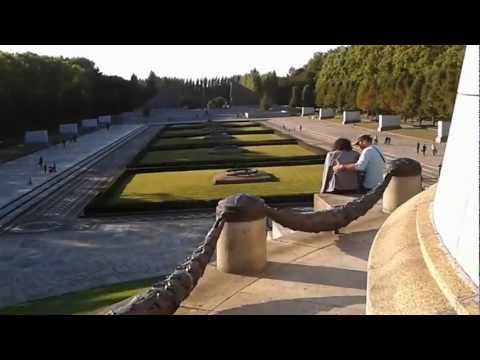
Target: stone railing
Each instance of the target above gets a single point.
(165, 297)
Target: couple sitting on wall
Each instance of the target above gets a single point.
(347, 171)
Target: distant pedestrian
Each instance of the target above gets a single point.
(434, 150)
(418, 148)
(300, 127)
(54, 167)
(389, 140)
(45, 167)
(439, 169)
(375, 140)
(424, 149)
(30, 182)
(40, 161)
(386, 140)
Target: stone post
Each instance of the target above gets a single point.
(242, 245)
(402, 187)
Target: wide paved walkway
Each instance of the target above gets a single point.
(15, 174)
(325, 132)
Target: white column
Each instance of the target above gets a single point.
(456, 208)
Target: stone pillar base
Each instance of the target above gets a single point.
(399, 191)
(242, 247)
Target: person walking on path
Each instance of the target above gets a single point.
(424, 149)
(418, 148)
(30, 182)
(375, 140)
(40, 161)
(45, 167)
(434, 150)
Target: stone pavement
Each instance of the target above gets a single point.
(15, 174)
(324, 132)
(58, 258)
(306, 274)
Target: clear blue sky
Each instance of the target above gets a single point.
(183, 61)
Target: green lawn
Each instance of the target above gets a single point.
(422, 134)
(205, 154)
(198, 185)
(82, 302)
(204, 131)
(259, 137)
(200, 139)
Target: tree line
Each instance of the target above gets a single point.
(41, 92)
(416, 81)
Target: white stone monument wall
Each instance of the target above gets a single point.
(69, 129)
(456, 205)
(308, 111)
(350, 117)
(90, 123)
(36, 137)
(325, 113)
(443, 128)
(388, 122)
(105, 119)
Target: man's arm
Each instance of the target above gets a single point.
(360, 165)
(344, 167)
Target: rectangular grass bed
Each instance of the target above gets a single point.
(197, 185)
(208, 154)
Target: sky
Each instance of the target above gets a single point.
(182, 61)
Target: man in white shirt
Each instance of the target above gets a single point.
(371, 163)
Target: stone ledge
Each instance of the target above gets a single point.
(460, 291)
(400, 278)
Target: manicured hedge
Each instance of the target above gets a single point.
(209, 144)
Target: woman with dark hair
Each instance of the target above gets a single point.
(343, 182)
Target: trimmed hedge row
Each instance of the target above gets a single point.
(304, 160)
(208, 144)
(204, 133)
(99, 206)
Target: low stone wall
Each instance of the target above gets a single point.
(388, 122)
(36, 137)
(443, 128)
(106, 119)
(69, 129)
(350, 117)
(325, 113)
(308, 111)
(90, 123)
